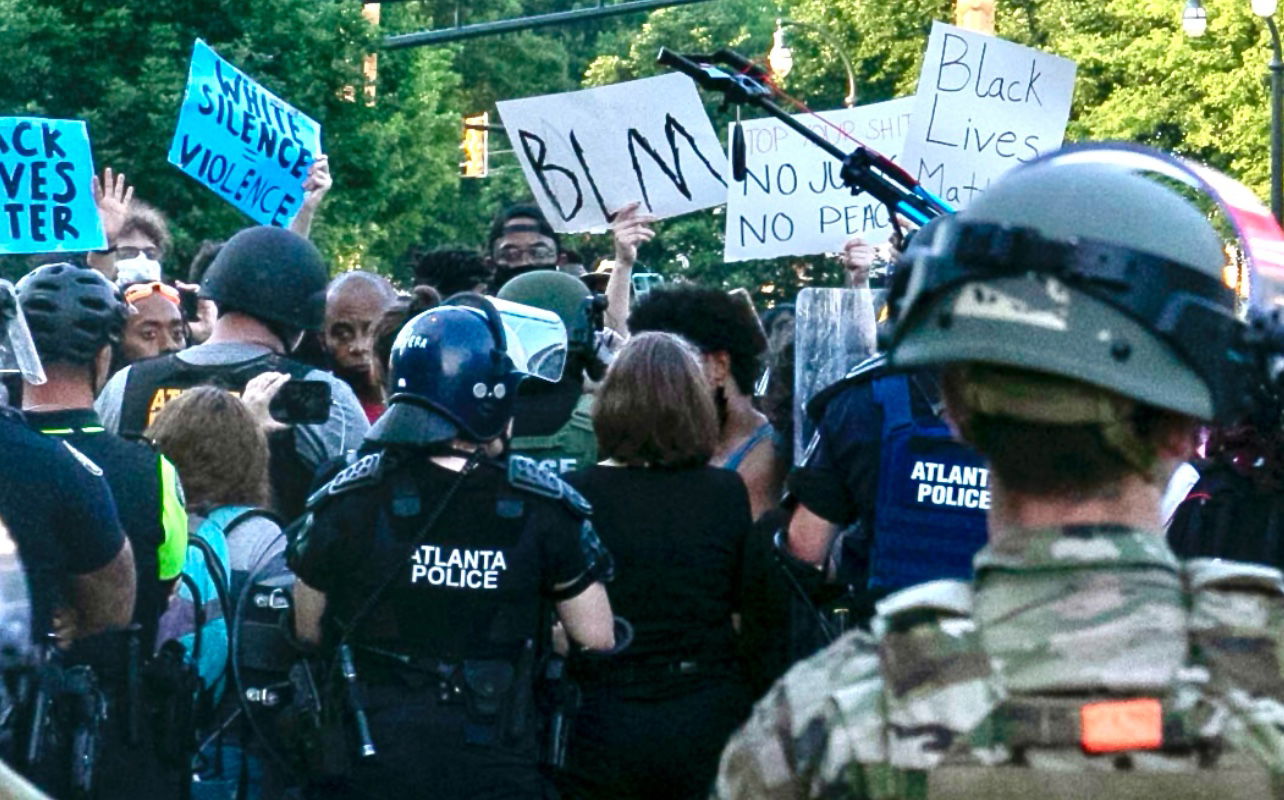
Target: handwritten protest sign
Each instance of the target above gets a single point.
(45, 173)
(984, 106)
(587, 153)
(792, 201)
(246, 144)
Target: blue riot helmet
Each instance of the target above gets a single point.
(455, 370)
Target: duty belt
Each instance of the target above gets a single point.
(612, 672)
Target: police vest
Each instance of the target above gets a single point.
(933, 494)
(1187, 741)
(572, 447)
(154, 382)
(465, 609)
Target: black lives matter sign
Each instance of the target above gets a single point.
(46, 199)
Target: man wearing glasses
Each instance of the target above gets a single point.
(521, 241)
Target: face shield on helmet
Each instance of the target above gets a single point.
(17, 350)
(1122, 289)
(534, 339)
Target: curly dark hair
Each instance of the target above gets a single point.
(450, 270)
(712, 320)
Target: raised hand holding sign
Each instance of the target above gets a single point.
(246, 144)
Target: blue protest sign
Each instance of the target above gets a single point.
(246, 144)
(46, 198)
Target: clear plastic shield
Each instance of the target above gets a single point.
(536, 339)
(17, 351)
(834, 330)
(15, 604)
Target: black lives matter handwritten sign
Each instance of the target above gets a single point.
(46, 201)
(587, 153)
(246, 144)
(984, 106)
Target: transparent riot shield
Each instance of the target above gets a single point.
(17, 351)
(834, 330)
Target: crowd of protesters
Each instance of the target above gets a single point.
(270, 594)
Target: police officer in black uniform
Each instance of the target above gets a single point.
(76, 561)
(432, 567)
(884, 470)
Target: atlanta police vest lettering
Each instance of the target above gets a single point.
(933, 494)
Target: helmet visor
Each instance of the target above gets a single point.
(536, 339)
(17, 350)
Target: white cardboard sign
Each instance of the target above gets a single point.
(984, 106)
(587, 153)
(792, 201)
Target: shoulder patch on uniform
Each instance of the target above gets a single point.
(365, 471)
(527, 474)
(934, 599)
(85, 461)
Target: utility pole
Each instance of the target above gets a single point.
(458, 32)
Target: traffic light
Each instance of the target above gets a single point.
(476, 146)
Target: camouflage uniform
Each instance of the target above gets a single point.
(977, 691)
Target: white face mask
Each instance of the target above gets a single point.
(140, 268)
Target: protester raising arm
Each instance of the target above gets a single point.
(112, 195)
(315, 187)
(630, 229)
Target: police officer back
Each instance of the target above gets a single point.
(1084, 660)
(434, 567)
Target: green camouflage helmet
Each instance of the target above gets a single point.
(564, 295)
(1038, 226)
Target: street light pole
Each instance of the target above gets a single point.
(829, 39)
(1277, 112)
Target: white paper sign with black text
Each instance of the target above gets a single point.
(792, 201)
(587, 153)
(985, 105)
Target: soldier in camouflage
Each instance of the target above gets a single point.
(1083, 660)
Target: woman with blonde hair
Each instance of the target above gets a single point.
(654, 719)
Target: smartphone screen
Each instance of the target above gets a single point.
(188, 303)
(301, 403)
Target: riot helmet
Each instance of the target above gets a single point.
(1083, 269)
(455, 370)
(580, 310)
(72, 312)
(273, 275)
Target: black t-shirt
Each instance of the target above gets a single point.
(59, 511)
(474, 585)
(132, 471)
(678, 538)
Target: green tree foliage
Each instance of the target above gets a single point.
(123, 67)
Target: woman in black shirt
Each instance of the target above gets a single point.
(653, 720)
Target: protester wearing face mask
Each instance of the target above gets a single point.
(731, 344)
(521, 241)
(269, 285)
